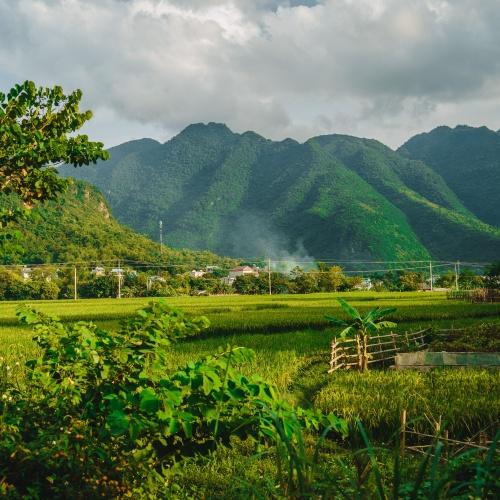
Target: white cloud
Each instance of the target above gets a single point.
(377, 68)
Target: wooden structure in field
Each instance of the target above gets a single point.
(382, 349)
(425, 360)
(425, 442)
(477, 295)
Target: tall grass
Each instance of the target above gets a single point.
(464, 400)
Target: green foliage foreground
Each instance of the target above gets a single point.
(101, 413)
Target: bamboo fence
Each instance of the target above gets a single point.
(382, 349)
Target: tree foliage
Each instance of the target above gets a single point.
(37, 126)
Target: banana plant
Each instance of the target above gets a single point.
(361, 327)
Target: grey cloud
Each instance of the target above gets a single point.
(377, 68)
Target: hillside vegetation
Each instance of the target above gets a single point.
(79, 227)
(332, 196)
(468, 159)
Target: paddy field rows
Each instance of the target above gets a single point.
(291, 339)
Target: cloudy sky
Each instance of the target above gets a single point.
(285, 68)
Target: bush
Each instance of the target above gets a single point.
(101, 414)
(48, 290)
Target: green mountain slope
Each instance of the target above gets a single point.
(80, 227)
(243, 195)
(438, 218)
(468, 159)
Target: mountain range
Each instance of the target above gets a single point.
(332, 196)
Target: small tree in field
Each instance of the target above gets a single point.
(361, 327)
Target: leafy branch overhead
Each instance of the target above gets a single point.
(37, 127)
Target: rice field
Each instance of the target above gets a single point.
(291, 339)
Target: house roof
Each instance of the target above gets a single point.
(243, 268)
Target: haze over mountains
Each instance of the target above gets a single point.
(333, 196)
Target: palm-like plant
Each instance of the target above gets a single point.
(361, 327)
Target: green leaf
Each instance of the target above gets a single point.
(350, 330)
(386, 324)
(149, 402)
(117, 422)
(351, 311)
(335, 321)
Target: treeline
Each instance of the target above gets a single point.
(51, 283)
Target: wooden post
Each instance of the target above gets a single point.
(333, 360)
(358, 348)
(402, 438)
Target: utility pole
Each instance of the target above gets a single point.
(119, 281)
(456, 275)
(269, 275)
(74, 283)
(430, 274)
(161, 237)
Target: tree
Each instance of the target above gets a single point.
(36, 135)
(492, 279)
(304, 282)
(446, 280)
(411, 281)
(469, 280)
(361, 327)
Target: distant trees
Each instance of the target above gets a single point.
(492, 278)
(411, 281)
(14, 287)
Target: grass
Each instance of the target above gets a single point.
(239, 314)
(291, 340)
(465, 400)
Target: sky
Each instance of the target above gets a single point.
(383, 69)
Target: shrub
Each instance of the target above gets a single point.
(101, 414)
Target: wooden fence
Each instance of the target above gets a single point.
(477, 295)
(382, 349)
(422, 442)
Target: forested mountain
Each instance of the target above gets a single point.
(332, 196)
(79, 227)
(468, 159)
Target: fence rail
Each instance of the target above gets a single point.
(477, 295)
(423, 442)
(346, 353)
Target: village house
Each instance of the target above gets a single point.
(243, 271)
(196, 274)
(239, 271)
(98, 271)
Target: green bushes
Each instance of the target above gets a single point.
(102, 414)
(465, 400)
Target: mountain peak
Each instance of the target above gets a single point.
(204, 128)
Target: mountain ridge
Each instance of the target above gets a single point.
(243, 194)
